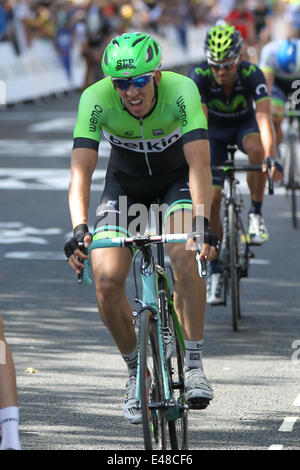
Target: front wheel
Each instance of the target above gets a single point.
(152, 394)
(177, 416)
(234, 267)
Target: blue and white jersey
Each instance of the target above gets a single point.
(288, 70)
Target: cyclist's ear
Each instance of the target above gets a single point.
(157, 77)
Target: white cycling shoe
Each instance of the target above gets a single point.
(199, 391)
(214, 287)
(130, 411)
(257, 229)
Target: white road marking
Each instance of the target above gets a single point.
(36, 255)
(297, 401)
(15, 232)
(36, 115)
(44, 148)
(43, 179)
(63, 124)
(259, 261)
(276, 447)
(288, 424)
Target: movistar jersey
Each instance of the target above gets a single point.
(249, 87)
(151, 145)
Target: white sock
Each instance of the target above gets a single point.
(193, 354)
(9, 423)
(131, 360)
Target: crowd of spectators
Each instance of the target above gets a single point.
(91, 23)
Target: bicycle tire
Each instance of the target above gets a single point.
(233, 266)
(154, 420)
(178, 428)
(291, 181)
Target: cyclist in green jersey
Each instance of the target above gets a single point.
(159, 150)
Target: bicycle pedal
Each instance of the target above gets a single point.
(198, 403)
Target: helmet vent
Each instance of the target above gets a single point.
(156, 48)
(105, 58)
(138, 40)
(115, 43)
(149, 54)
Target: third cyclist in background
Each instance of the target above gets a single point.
(280, 62)
(229, 88)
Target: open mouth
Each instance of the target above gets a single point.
(134, 103)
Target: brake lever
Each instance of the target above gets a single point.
(270, 181)
(83, 277)
(202, 266)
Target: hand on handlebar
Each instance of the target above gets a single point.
(76, 249)
(202, 239)
(274, 167)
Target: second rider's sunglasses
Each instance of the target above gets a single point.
(137, 82)
(227, 66)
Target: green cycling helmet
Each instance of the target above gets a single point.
(223, 42)
(130, 55)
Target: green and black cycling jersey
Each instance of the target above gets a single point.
(249, 87)
(149, 146)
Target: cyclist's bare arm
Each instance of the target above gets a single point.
(204, 107)
(266, 128)
(197, 154)
(83, 164)
(269, 79)
(267, 132)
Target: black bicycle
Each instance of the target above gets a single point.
(235, 252)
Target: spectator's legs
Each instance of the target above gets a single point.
(9, 412)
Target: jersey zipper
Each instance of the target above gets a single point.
(145, 151)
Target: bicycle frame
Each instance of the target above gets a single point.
(150, 293)
(150, 301)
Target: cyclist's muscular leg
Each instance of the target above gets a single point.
(189, 292)
(111, 267)
(256, 180)
(278, 117)
(189, 288)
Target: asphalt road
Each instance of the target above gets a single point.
(72, 397)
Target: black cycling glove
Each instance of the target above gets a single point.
(207, 236)
(271, 161)
(77, 240)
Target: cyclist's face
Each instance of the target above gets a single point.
(225, 71)
(139, 101)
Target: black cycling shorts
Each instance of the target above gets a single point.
(125, 202)
(221, 136)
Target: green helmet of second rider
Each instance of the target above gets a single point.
(223, 42)
(130, 55)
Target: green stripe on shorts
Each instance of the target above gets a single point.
(109, 231)
(182, 204)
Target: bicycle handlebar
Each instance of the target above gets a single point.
(231, 167)
(138, 242)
